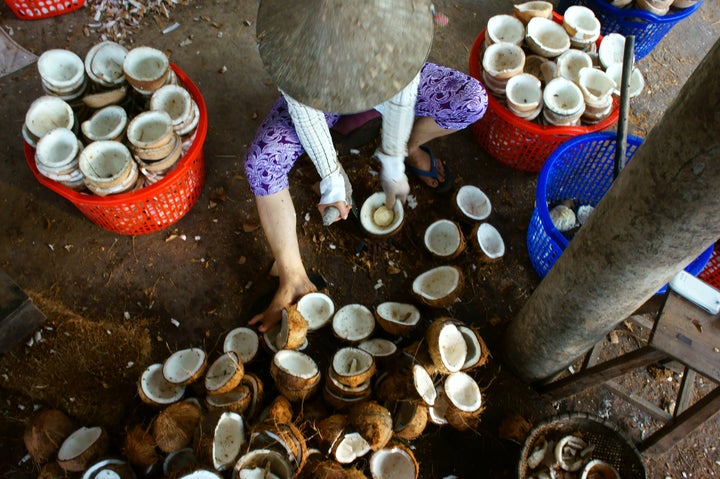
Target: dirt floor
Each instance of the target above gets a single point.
(117, 303)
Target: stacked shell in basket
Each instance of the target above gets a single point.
(551, 72)
(131, 120)
(657, 7)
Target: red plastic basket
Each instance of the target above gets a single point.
(153, 207)
(711, 273)
(37, 10)
(514, 141)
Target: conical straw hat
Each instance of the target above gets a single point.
(344, 56)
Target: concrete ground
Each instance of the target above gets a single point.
(208, 271)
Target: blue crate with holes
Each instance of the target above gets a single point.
(647, 27)
(580, 169)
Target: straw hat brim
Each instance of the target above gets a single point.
(344, 56)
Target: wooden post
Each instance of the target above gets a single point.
(19, 318)
(661, 213)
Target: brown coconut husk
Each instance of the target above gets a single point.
(238, 400)
(462, 420)
(373, 422)
(329, 430)
(329, 469)
(297, 327)
(174, 426)
(52, 470)
(515, 428)
(140, 448)
(94, 451)
(410, 418)
(289, 437)
(419, 353)
(394, 386)
(335, 386)
(280, 410)
(45, 433)
(204, 435)
(297, 395)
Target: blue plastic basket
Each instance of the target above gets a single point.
(647, 27)
(580, 169)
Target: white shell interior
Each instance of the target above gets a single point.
(279, 467)
(78, 442)
(61, 68)
(378, 347)
(452, 347)
(392, 463)
(505, 28)
(436, 412)
(599, 468)
(583, 21)
(524, 90)
(47, 113)
(173, 99)
(473, 202)
(351, 361)
(546, 37)
(256, 473)
(104, 63)
(563, 97)
(463, 392)
(105, 124)
(503, 59)
(402, 313)
(353, 322)
(368, 208)
(201, 474)
(242, 341)
(571, 62)
(104, 160)
(296, 363)
(149, 127)
(612, 49)
(182, 365)
(637, 81)
(350, 447)
(473, 347)
(221, 370)
(157, 388)
(145, 63)
(437, 282)
(57, 148)
(424, 384)
(595, 84)
(442, 237)
(490, 241)
(317, 309)
(228, 440)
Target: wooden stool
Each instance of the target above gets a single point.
(682, 332)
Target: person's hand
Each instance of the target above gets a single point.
(393, 180)
(341, 208)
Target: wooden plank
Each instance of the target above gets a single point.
(639, 402)
(687, 386)
(19, 318)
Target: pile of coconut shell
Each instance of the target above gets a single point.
(352, 412)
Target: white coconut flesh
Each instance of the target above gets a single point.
(222, 370)
(351, 361)
(437, 282)
(78, 442)
(271, 462)
(359, 389)
(242, 341)
(201, 474)
(392, 463)
(473, 202)
(228, 440)
(271, 340)
(296, 364)
(490, 241)
(452, 347)
(401, 313)
(380, 222)
(378, 347)
(284, 333)
(442, 238)
(350, 447)
(436, 412)
(100, 469)
(157, 388)
(107, 474)
(424, 384)
(353, 322)
(183, 365)
(463, 392)
(317, 309)
(474, 350)
(257, 473)
(611, 49)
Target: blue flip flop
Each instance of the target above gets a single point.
(443, 186)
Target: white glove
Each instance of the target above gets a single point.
(332, 189)
(393, 180)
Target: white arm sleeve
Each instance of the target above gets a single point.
(398, 118)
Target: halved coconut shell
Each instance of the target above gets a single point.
(423, 384)
(464, 401)
(350, 447)
(82, 448)
(333, 385)
(257, 393)
(472, 203)
(437, 412)
(477, 351)
(528, 10)
(228, 440)
(353, 323)
(383, 350)
(377, 220)
(237, 400)
(179, 463)
(155, 390)
(373, 422)
(174, 426)
(488, 238)
(546, 38)
(446, 345)
(294, 369)
(224, 374)
(263, 463)
(317, 309)
(352, 366)
(612, 49)
(396, 462)
(438, 287)
(109, 468)
(45, 432)
(201, 474)
(293, 329)
(410, 419)
(242, 341)
(599, 469)
(281, 436)
(396, 318)
(329, 430)
(139, 448)
(342, 402)
(185, 366)
(444, 239)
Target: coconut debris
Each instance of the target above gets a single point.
(116, 20)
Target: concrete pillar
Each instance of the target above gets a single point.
(661, 213)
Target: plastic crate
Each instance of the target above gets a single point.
(711, 273)
(518, 143)
(581, 169)
(37, 10)
(647, 27)
(153, 207)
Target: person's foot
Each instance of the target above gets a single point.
(286, 295)
(428, 169)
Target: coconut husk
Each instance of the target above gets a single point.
(257, 393)
(45, 433)
(238, 400)
(393, 386)
(296, 395)
(140, 448)
(295, 326)
(280, 410)
(394, 326)
(410, 419)
(52, 470)
(515, 427)
(341, 56)
(462, 420)
(418, 352)
(329, 469)
(95, 450)
(174, 426)
(339, 389)
(373, 422)
(329, 430)
(232, 380)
